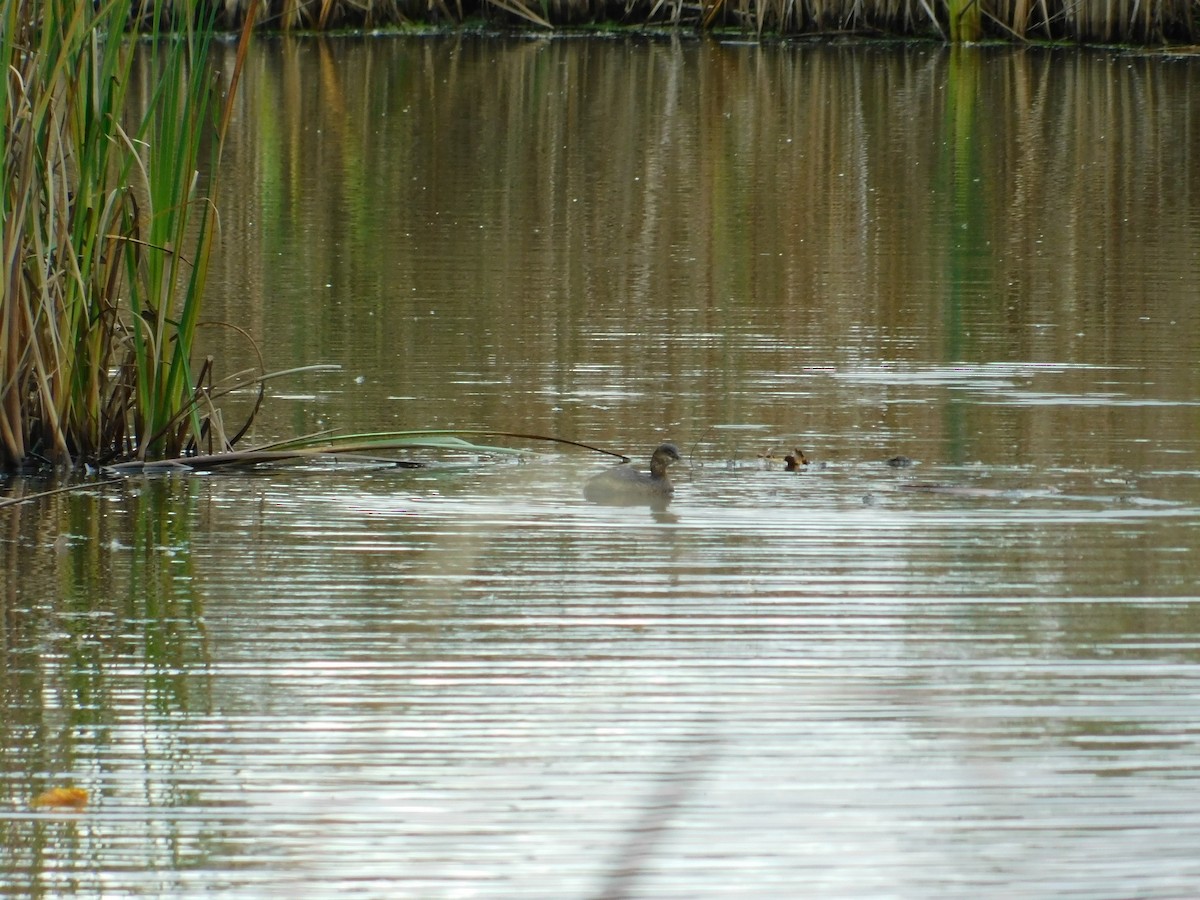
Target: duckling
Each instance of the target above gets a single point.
(795, 461)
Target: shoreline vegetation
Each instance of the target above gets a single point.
(1138, 22)
(106, 237)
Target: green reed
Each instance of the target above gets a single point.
(105, 234)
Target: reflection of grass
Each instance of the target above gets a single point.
(105, 653)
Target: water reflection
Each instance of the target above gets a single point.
(104, 658)
(760, 220)
(471, 680)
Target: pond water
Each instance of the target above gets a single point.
(976, 674)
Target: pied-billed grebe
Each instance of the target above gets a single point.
(624, 485)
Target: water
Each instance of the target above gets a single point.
(975, 674)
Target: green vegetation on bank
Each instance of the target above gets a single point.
(106, 236)
(1097, 21)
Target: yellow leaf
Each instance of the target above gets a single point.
(72, 797)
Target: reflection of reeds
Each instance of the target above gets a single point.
(1090, 20)
(733, 150)
(103, 625)
(105, 236)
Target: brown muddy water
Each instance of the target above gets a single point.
(976, 675)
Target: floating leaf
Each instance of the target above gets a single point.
(70, 797)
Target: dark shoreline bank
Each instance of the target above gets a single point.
(1128, 22)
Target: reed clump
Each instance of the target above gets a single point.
(106, 235)
(1131, 21)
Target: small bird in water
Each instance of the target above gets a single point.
(624, 485)
(900, 462)
(795, 461)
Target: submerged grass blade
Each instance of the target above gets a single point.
(346, 446)
(67, 489)
(431, 438)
